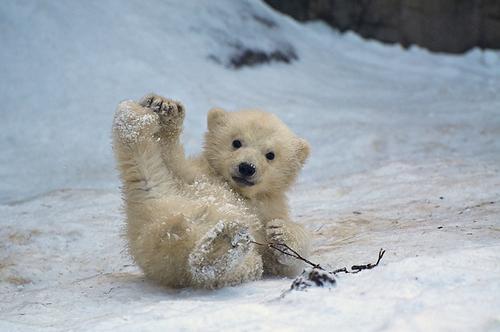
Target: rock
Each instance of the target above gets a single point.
(249, 57)
(313, 277)
(453, 26)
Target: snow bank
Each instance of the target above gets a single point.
(64, 68)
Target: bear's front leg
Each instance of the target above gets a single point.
(139, 154)
(294, 236)
(134, 125)
(171, 114)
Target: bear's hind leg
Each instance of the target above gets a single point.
(224, 256)
(161, 250)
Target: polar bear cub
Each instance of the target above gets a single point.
(191, 222)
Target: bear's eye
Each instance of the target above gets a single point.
(236, 144)
(270, 155)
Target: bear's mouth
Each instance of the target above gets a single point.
(243, 181)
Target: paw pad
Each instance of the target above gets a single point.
(169, 110)
(220, 251)
(129, 124)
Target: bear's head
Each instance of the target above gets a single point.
(253, 151)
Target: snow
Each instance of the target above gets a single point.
(405, 157)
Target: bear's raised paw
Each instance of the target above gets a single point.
(171, 112)
(133, 123)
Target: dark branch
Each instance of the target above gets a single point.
(286, 250)
(358, 268)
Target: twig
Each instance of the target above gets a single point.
(289, 252)
(358, 268)
(286, 250)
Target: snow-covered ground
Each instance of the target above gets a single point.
(406, 156)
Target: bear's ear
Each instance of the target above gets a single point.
(215, 117)
(303, 150)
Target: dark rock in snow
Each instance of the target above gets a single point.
(249, 57)
(453, 26)
(313, 277)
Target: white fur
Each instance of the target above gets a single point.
(188, 222)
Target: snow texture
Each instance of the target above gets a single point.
(405, 157)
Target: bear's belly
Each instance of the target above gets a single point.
(212, 202)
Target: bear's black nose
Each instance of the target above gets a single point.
(246, 169)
